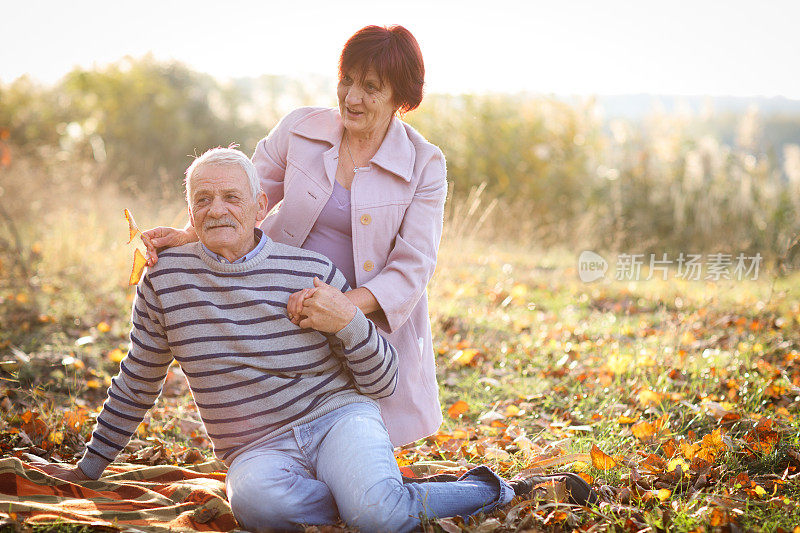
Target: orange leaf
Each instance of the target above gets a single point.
(460, 434)
(103, 327)
(458, 409)
(647, 396)
(643, 430)
(139, 263)
(600, 459)
(465, 357)
(718, 518)
(689, 450)
(133, 229)
(670, 447)
(654, 463)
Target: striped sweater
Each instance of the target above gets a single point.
(252, 373)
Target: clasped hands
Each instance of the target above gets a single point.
(321, 307)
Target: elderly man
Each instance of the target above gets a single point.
(290, 410)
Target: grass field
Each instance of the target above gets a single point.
(676, 400)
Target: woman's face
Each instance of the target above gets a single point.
(366, 106)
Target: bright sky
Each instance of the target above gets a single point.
(730, 47)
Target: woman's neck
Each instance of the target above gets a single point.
(366, 144)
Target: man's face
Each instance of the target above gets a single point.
(222, 210)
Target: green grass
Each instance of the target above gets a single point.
(558, 362)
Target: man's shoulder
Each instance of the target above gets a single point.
(287, 252)
(173, 259)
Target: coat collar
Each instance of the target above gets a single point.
(396, 154)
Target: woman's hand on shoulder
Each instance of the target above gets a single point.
(158, 239)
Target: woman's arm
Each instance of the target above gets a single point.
(270, 156)
(363, 298)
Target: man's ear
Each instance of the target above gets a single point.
(191, 216)
(261, 214)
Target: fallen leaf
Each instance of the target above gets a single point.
(718, 518)
(465, 357)
(647, 397)
(600, 459)
(458, 409)
(643, 430)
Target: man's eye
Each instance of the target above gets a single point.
(203, 200)
(231, 197)
(347, 80)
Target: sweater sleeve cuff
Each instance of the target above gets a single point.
(355, 331)
(92, 464)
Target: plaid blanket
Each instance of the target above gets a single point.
(134, 497)
(139, 498)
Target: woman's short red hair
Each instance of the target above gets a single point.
(394, 54)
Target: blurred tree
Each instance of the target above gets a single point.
(149, 118)
(537, 149)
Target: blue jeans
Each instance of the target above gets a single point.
(342, 464)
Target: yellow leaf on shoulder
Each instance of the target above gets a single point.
(139, 263)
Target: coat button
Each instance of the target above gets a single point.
(368, 266)
(366, 219)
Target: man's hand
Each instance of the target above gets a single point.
(326, 309)
(71, 473)
(294, 307)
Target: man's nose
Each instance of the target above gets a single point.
(217, 207)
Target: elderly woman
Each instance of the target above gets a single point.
(362, 187)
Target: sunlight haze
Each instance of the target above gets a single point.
(580, 47)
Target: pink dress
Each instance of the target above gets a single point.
(396, 212)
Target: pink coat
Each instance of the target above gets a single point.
(396, 218)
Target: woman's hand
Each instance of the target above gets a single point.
(71, 473)
(294, 307)
(326, 309)
(159, 238)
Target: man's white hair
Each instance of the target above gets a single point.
(224, 156)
